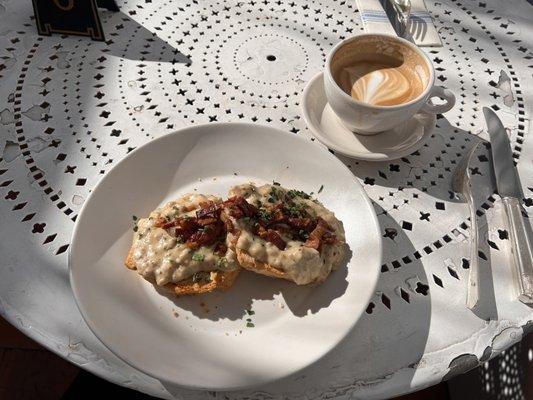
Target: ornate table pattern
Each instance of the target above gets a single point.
(71, 108)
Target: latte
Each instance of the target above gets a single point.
(381, 84)
(376, 82)
(380, 72)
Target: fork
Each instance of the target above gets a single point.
(461, 186)
(402, 9)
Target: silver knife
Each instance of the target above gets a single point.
(510, 192)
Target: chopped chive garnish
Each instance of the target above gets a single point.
(321, 188)
(263, 213)
(250, 312)
(222, 262)
(297, 193)
(250, 325)
(198, 257)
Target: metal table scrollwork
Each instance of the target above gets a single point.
(70, 108)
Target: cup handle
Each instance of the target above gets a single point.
(444, 94)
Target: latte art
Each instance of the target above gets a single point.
(381, 84)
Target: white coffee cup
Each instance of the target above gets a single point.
(368, 119)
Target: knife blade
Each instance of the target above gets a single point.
(502, 156)
(508, 185)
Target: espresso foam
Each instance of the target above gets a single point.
(380, 72)
(380, 84)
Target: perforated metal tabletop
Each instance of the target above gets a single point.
(70, 108)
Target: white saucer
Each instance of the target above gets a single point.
(389, 145)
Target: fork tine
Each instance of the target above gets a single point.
(461, 171)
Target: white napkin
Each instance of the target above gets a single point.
(374, 18)
(421, 29)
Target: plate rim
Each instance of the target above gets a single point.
(87, 319)
(356, 155)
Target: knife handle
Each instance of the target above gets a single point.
(522, 249)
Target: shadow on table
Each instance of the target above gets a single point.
(389, 320)
(508, 376)
(430, 169)
(128, 39)
(251, 287)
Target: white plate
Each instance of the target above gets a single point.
(208, 344)
(326, 127)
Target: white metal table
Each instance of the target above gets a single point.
(70, 108)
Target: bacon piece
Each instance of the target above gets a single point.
(259, 230)
(248, 209)
(209, 209)
(182, 223)
(316, 230)
(270, 235)
(206, 229)
(205, 237)
(281, 227)
(181, 227)
(273, 215)
(192, 245)
(221, 248)
(238, 207)
(275, 238)
(228, 224)
(206, 221)
(314, 243)
(321, 233)
(305, 224)
(277, 214)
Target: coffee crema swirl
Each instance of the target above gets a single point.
(380, 84)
